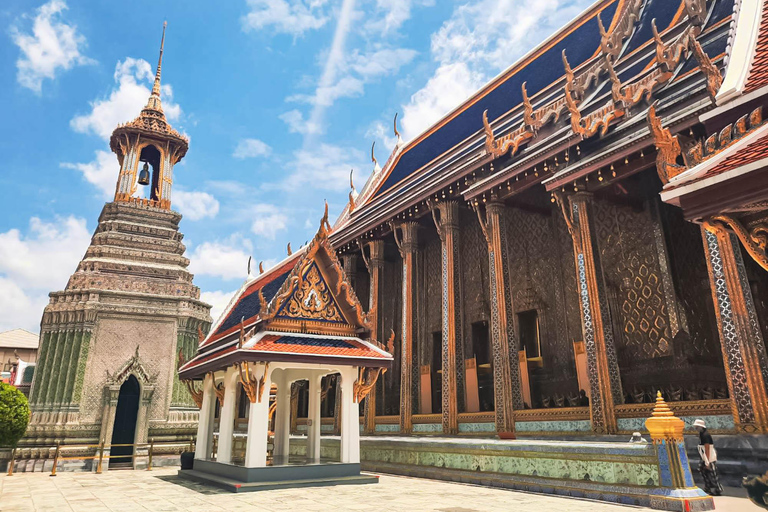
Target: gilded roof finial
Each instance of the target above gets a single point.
(249, 266)
(376, 167)
(290, 251)
(352, 191)
(397, 133)
(261, 267)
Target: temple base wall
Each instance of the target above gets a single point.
(614, 472)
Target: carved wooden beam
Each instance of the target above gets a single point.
(754, 239)
(366, 380)
(667, 148)
(197, 395)
(219, 390)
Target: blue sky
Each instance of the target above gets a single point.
(280, 99)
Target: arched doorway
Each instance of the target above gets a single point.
(124, 431)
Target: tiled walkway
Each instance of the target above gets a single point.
(162, 490)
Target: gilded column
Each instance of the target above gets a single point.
(447, 223)
(407, 244)
(375, 264)
(740, 337)
(506, 372)
(602, 363)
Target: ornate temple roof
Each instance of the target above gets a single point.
(623, 50)
(302, 309)
(758, 73)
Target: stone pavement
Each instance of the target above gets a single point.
(162, 490)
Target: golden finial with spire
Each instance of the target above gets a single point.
(663, 424)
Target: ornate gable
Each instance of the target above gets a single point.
(316, 297)
(312, 299)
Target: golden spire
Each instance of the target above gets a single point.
(154, 98)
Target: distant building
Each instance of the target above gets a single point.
(18, 353)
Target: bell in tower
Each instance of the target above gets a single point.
(147, 149)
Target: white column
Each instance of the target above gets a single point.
(313, 418)
(205, 426)
(258, 426)
(227, 417)
(350, 418)
(283, 418)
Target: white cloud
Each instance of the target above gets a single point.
(52, 45)
(133, 78)
(324, 167)
(195, 205)
(297, 124)
(251, 148)
(34, 264)
(218, 300)
(267, 220)
(393, 14)
(102, 172)
(294, 17)
(446, 89)
(227, 259)
(478, 41)
(383, 135)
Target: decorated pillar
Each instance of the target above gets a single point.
(350, 414)
(740, 337)
(205, 425)
(604, 379)
(282, 418)
(375, 264)
(407, 244)
(258, 418)
(350, 269)
(227, 416)
(506, 370)
(314, 419)
(446, 217)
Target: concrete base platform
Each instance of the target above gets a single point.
(239, 479)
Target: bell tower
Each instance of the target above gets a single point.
(130, 310)
(147, 148)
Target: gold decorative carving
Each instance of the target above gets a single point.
(667, 148)
(754, 239)
(197, 394)
(219, 390)
(312, 299)
(200, 335)
(697, 152)
(508, 143)
(366, 380)
(254, 389)
(598, 120)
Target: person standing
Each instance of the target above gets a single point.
(708, 464)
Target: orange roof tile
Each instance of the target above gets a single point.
(325, 346)
(752, 152)
(758, 74)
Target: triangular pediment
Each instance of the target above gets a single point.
(312, 299)
(317, 296)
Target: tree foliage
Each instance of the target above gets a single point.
(14, 414)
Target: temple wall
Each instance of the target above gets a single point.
(391, 317)
(650, 304)
(543, 279)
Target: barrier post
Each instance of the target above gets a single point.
(151, 446)
(55, 459)
(11, 463)
(101, 457)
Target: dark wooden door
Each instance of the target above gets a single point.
(124, 431)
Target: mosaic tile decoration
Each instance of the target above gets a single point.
(714, 423)
(554, 426)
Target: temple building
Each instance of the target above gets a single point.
(109, 342)
(586, 230)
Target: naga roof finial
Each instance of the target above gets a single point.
(290, 251)
(397, 133)
(376, 167)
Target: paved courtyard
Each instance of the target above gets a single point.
(162, 490)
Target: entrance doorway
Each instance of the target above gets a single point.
(124, 431)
